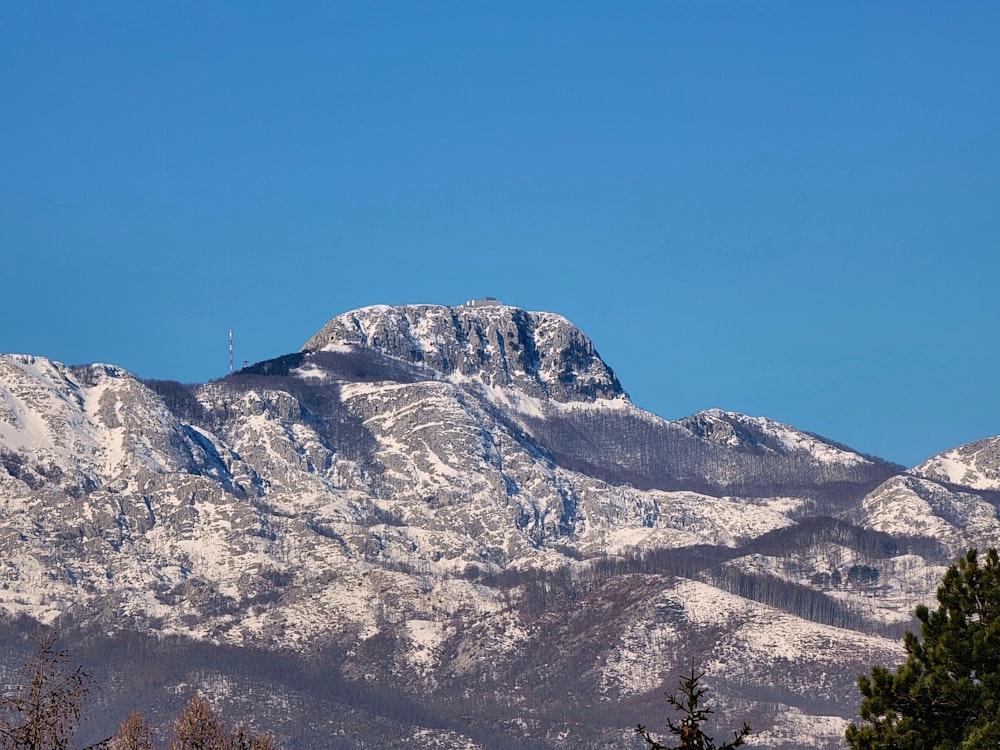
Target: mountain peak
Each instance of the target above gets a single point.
(539, 353)
(975, 465)
(761, 434)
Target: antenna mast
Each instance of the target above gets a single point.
(230, 351)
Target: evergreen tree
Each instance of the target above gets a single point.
(946, 694)
(688, 729)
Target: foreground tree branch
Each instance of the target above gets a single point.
(44, 708)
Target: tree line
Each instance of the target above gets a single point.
(944, 696)
(44, 707)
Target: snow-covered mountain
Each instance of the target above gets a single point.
(975, 465)
(461, 513)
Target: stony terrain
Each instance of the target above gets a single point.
(457, 522)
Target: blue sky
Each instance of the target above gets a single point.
(778, 208)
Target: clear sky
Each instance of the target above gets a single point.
(786, 209)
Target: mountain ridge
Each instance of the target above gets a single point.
(429, 495)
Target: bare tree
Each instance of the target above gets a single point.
(44, 706)
(244, 739)
(43, 709)
(198, 728)
(133, 734)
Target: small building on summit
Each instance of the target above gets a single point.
(484, 302)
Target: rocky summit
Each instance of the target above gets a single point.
(450, 527)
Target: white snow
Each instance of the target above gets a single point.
(310, 372)
(341, 348)
(974, 466)
(426, 636)
(792, 440)
(793, 727)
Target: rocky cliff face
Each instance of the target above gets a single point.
(461, 505)
(539, 354)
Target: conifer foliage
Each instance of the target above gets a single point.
(688, 730)
(946, 694)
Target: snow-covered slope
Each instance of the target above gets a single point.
(766, 435)
(92, 425)
(975, 465)
(463, 504)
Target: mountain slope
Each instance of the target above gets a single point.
(461, 506)
(975, 466)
